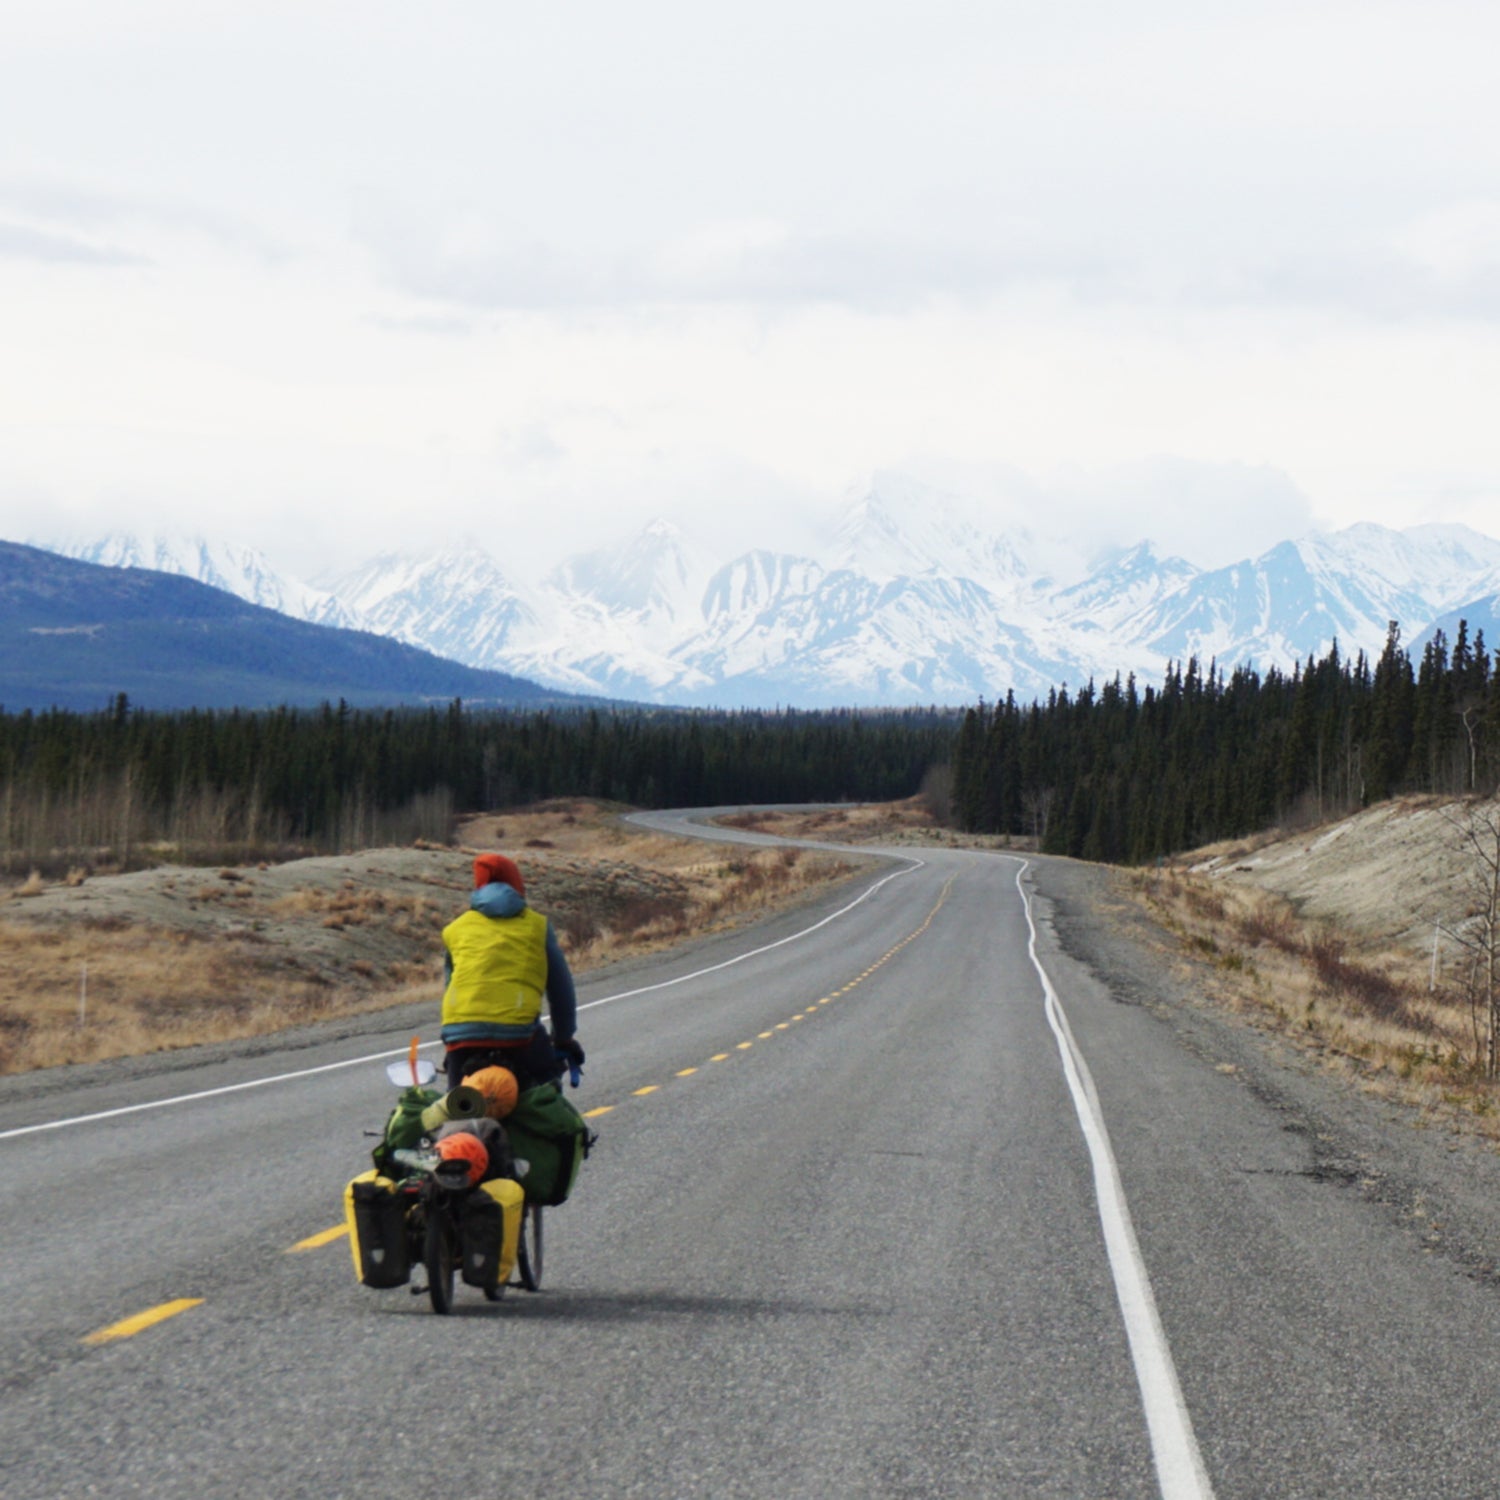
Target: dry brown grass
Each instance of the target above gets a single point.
(1362, 1006)
(177, 957)
(911, 821)
(91, 990)
(354, 905)
(860, 822)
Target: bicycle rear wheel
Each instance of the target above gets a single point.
(440, 1255)
(529, 1252)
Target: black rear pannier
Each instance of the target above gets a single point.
(376, 1216)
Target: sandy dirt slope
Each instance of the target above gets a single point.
(318, 917)
(332, 918)
(114, 964)
(1389, 873)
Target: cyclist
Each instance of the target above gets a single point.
(501, 957)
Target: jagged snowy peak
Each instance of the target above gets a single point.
(237, 570)
(910, 641)
(1122, 588)
(896, 528)
(781, 627)
(856, 639)
(758, 584)
(657, 576)
(1436, 563)
(456, 602)
(378, 580)
(1286, 606)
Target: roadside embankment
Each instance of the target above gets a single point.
(1361, 939)
(117, 965)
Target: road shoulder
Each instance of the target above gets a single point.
(1441, 1184)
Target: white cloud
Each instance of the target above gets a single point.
(1211, 514)
(24, 242)
(352, 277)
(1457, 242)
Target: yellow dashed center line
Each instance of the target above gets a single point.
(128, 1327)
(143, 1320)
(317, 1241)
(651, 1088)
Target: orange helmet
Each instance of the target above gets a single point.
(499, 1087)
(461, 1146)
(499, 867)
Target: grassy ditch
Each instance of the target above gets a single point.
(1366, 1008)
(93, 967)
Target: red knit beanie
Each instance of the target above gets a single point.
(498, 867)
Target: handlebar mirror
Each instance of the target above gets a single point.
(404, 1073)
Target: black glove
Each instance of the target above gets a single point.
(570, 1050)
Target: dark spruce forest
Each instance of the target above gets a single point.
(1115, 774)
(1125, 775)
(339, 778)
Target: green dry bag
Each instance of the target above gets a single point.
(548, 1134)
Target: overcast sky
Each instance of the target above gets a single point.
(333, 277)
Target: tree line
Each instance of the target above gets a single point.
(1126, 775)
(1117, 773)
(339, 778)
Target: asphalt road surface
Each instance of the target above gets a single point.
(893, 1197)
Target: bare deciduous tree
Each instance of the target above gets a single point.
(1036, 808)
(1477, 828)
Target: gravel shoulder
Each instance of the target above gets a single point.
(1385, 874)
(1440, 1183)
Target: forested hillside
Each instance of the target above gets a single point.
(1123, 775)
(72, 635)
(340, 778)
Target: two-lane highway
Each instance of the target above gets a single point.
(891, 1198)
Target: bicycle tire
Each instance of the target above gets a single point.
(529, 1251)
(439, 1255)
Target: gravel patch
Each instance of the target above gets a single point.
(1440, 1183)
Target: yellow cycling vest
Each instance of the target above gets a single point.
(499, 969)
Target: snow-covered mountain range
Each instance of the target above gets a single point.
(914, 604)
(220, 564)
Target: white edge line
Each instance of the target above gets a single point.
(729, 963)
(353, 1062)
(1180, 1471)
(228, 1088)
